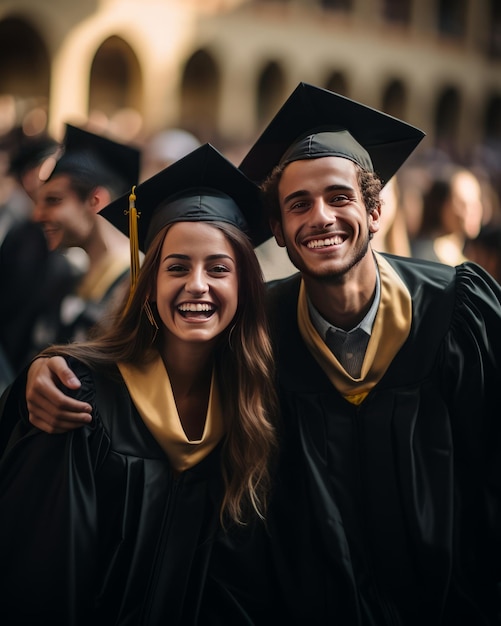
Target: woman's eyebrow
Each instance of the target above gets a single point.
(186, 257)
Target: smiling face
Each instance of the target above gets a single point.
(65, 219)
(197, 283)
(325, 225)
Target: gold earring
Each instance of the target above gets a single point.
(149, 314)
(230, 335)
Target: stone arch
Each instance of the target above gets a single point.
(115, 82)
(25, 71)
(200, 95)
(397, 11)
(492, 120)
(269, 93)
(489, 151)
(446, 122)
(451, 18)
(495, 29)
(337, 5)
(394, 99)
(337, 83)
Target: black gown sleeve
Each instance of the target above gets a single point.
(48, 518)
(472, 366)
(472, 352)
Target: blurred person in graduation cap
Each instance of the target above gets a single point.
(166, 147)
(88, 173)
(113, 523)
(32, 278)
(386, 508)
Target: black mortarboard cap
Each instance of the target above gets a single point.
(315, 122)
(201, 187)
(100, 158)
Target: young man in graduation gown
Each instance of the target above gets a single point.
(387, 505)
(88, 173)
(32, 278)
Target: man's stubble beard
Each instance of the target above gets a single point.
(332, 277)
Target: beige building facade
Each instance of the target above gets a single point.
(221, 68)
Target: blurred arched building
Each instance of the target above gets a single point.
(221, 68)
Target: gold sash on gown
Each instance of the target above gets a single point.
(151, 391)
(390, 331)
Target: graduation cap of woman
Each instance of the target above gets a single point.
(201, 187)
(315, 122)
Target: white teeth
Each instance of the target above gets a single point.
(322, 243)
(194, 307)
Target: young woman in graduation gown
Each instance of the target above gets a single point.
(114, 523)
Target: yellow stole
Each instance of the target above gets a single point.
(389, 333)
(150, 389)
(96, 283)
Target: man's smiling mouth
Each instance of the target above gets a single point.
(323, 243)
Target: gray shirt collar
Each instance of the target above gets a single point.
(322, 325)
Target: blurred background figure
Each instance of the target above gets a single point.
(31, 277)
(166, 147)
(392, 236)
(452, 212)
(91, 172)
(485, 249)
(26, 159)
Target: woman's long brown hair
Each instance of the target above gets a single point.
(244, 364)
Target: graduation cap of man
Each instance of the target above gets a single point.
(201, 187)
(315, 122)
(95, 158)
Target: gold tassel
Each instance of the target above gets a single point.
(134, 243)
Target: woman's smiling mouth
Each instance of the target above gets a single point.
(196, 309)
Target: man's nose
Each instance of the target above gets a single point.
(322, 213)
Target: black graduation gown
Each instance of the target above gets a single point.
(33, 282)
(94, 526)
(389, 513)
(74, 316)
